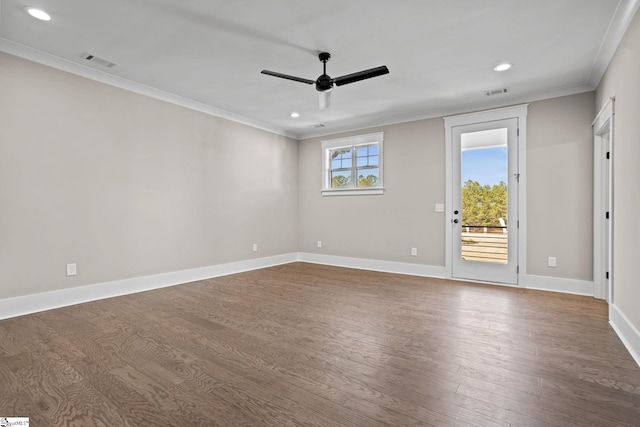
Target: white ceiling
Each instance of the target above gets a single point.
(208, 54)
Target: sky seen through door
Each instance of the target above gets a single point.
(486, 166)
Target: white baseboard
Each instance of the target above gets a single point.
(558, 284)
(374, 265)
(629, 335)
(28, 304)
(18, 306)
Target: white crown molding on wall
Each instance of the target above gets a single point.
(40, 57)
(620, 21)
(628, 334)
(466, 108)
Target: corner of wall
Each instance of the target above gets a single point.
(628, 334)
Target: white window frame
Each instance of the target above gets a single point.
(351, 142)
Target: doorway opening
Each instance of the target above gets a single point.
(485, 165)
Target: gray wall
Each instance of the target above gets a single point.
(383, 227)
(126, 186)
(559, 173)
(621, 80)
(560, 186)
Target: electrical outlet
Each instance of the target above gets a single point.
(255, 247)
(319, 243)
(414, 251)
(439, 207)
(71, 270)
(552, 261)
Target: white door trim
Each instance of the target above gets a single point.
(519, 112)
(603, 185)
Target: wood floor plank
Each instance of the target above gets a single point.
(312, 345)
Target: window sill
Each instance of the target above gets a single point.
(354, 192)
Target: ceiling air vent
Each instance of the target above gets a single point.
(98, 61)
(319, 125)
(497, 91)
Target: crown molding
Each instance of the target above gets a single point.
(618, 25)
(53, 61)
(466, 108)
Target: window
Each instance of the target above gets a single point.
(352, 165)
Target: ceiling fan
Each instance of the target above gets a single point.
(324, 83)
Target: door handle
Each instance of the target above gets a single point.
(455, 221)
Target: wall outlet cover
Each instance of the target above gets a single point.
(72, 269)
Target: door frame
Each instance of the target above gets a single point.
(518, 112)
(603, 186)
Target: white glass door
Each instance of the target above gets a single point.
(485, 201)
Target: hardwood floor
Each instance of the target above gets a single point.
(310, 345)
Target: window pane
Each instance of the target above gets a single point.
(340, 179)
(342, 153)
(341, 158)
(368, 177)
(367, 155)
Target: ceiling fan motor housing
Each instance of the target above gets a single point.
(324, 82)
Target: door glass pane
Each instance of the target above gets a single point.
(484, 216)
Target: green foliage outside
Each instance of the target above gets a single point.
(341, 181)
(368, 181)
(483, 205)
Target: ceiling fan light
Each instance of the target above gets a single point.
(502, 67)
(38, 13)
(325, 99)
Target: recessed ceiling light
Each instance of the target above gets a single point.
(38, 13)
(502, 67)
(294, 115)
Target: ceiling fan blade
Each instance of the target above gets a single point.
(288, 77)
(325, 99)
(361, 75)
